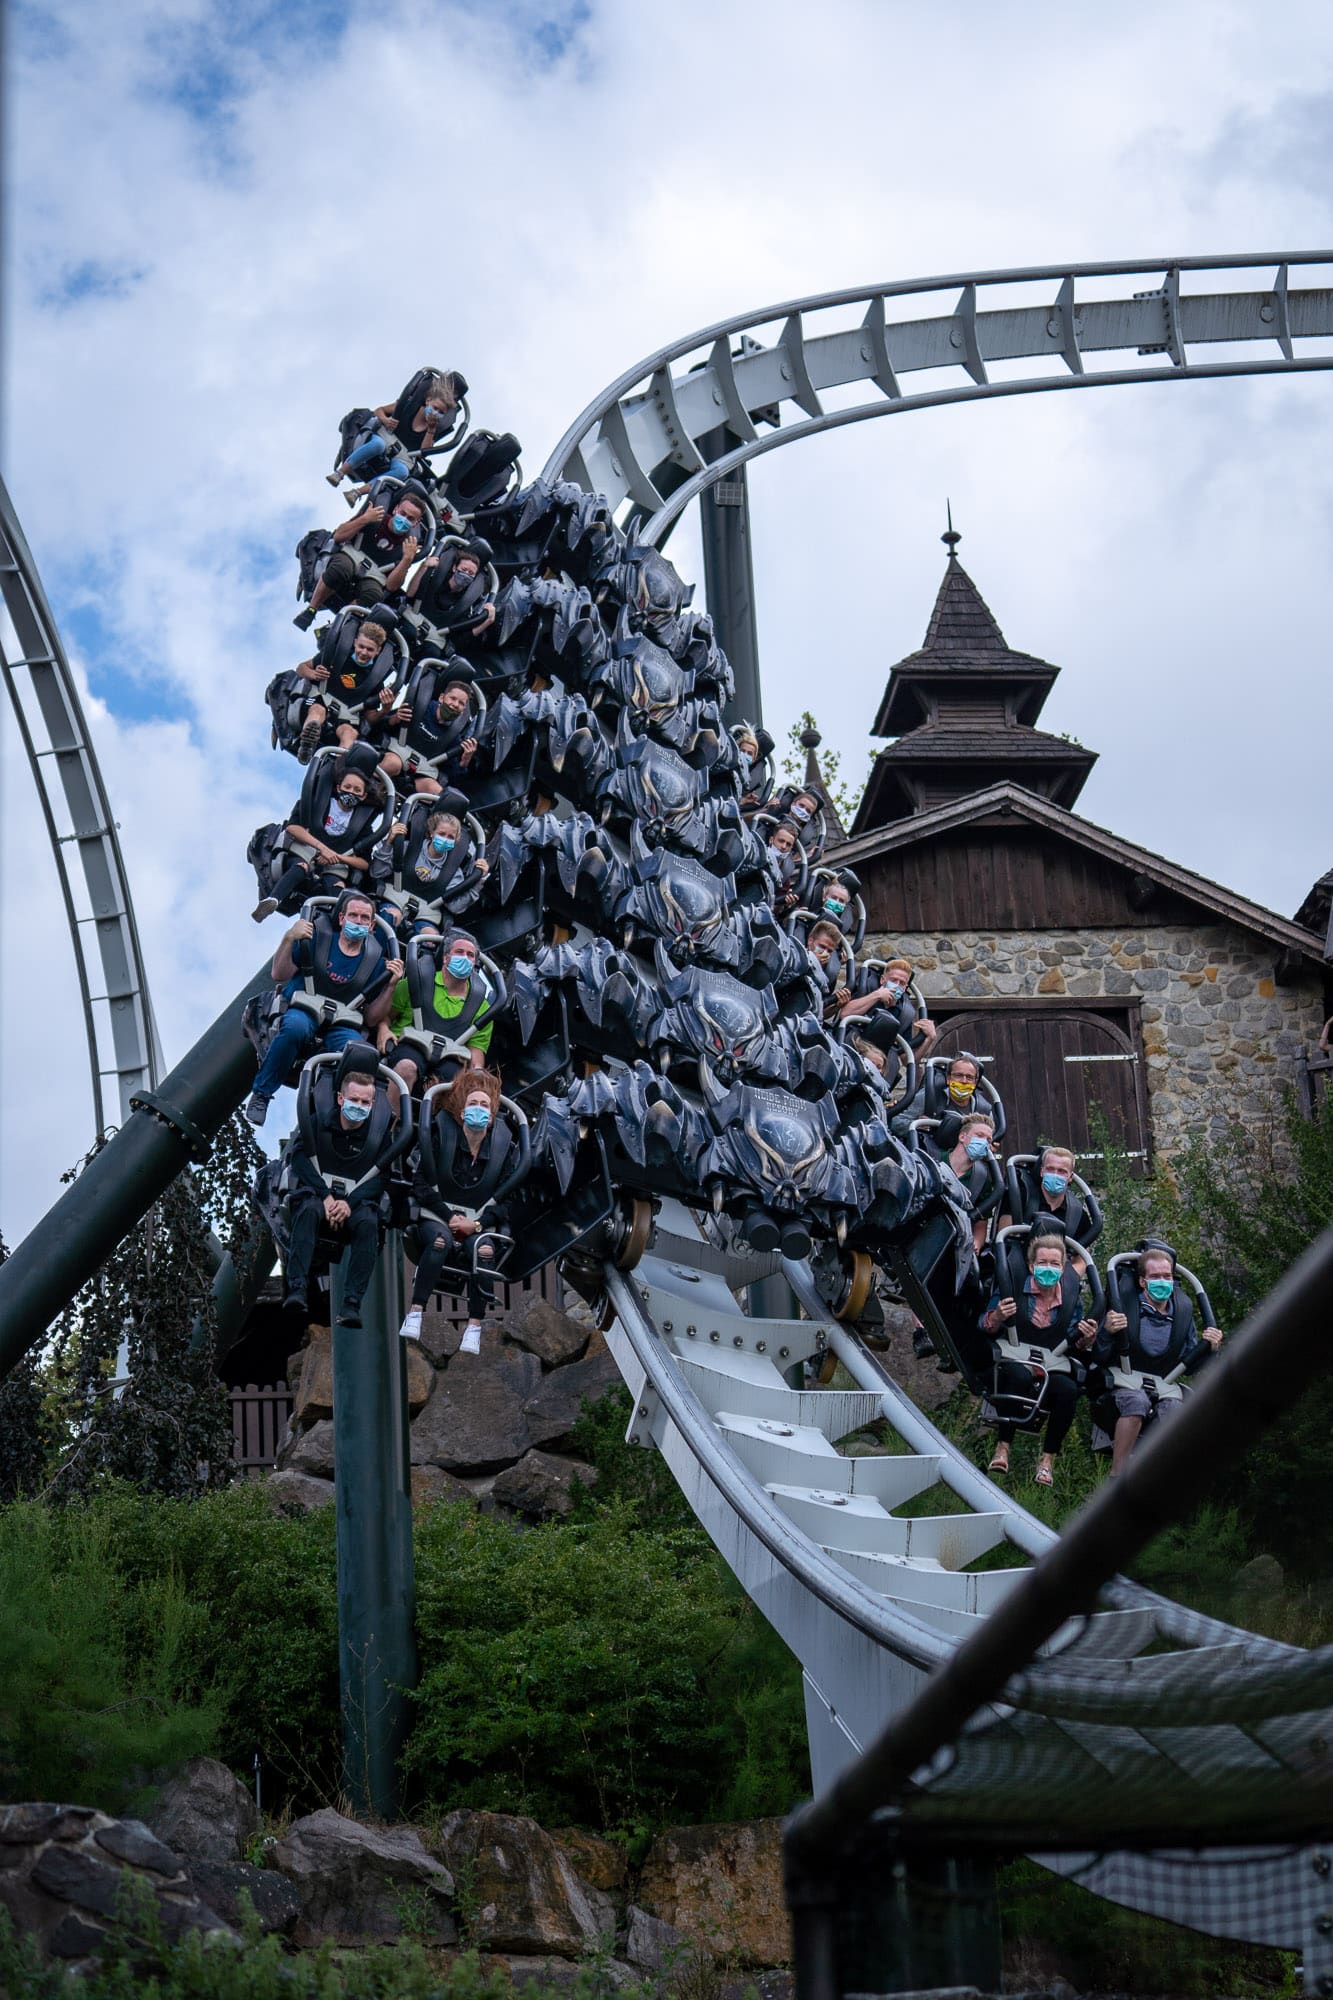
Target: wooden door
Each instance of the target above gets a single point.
(1055, 1069)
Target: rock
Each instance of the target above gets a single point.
(553, 1336)
(557, 1405)
(273, 1898)
(526, 1894)
(295, 1492)
(430, 1484)
(558, 1975)
(541, 1484)
(420, 1376)
(206, 1813)
(1260, 1577)
(312, 1450)
(474, 1421)
(314, 1391)
(650, 1944)
(599, 1863)
(64, 1872)
(359, 1882)
(722, 1886)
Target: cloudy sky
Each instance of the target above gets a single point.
(227, 225)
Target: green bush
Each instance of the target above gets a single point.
(91, 1668)
(599, 1673)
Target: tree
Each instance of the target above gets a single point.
(134, 1351)
(844, 793)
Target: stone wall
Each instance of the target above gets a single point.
(1220, 1036)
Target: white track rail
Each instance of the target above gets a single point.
(118, 1016)
(870, 1598)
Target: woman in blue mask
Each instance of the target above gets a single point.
(472, 1150)
(1154, 1334)
(1044, 1312)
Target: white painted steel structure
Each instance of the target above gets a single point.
(639, 441)
(118, 1015)
(871, 1599)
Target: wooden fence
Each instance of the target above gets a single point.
(258, 1420)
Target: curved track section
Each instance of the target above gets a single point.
(873, 1561)
(642, 441)
(123, 1050)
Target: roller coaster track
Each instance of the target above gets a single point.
(94, 887)
(645, 441)
(1142, 1699)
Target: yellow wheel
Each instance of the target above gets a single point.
(859, 1274)
(828, 1368)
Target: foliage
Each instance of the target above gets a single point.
(91, 1666)
(146, 1965)
(594, 1672)
(149, 1310)
(28, 1430)
(845, 793)
(1100, 1947)
(602, 1673)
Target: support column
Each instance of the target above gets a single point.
(724, 520)
(377, 1664)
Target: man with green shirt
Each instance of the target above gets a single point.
(452, 1006)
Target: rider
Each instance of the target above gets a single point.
(1156, 1335)
(1046, 1312)
(419, 863)
(344, 961)
(891, 1002)
(440, 586)
(451, 996)
(394, 430)
(339, 1153)
(390, 534)
(333, 828)
(472, 1154)
(442, 732)
(1051, 1196)
(370, 641)
(784, 865)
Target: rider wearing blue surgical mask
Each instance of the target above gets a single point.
(472, 1145)
(389, 532)
(1046, 1314)
(457, 962)
(1155, 1336)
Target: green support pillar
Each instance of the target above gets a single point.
(377, 1663)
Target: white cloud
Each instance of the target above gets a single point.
(430, 186)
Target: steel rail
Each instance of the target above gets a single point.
(641, 440)
(54, 730)
(1276, 1355)
(1277, 1681)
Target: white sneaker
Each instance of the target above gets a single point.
(471, 1341)
(411, 1326)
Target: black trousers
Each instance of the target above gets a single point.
(1060, 1404)
(345, 582)
(361, 1234)
(439, 1271)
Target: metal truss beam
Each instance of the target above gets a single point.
(977, 330)
(117, 1012)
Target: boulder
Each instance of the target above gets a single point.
(553, 1336)
(314, 1390)
(599, 1863)
(293, 1492)
(272, 1897)
(420, 1376)
(312, 1451)
(555, 1408)
(653, 1946)
(562, 1975)
(63, 1880)
(441, 1335)
(525, 1893)
(357, 1882)
(541, 1484)
(430, 1484)
(474, 1421)
(205, 1813)
(722, 1886)
(1261, 1576)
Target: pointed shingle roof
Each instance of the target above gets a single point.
(963, 640)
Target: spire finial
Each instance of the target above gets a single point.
(952, 538)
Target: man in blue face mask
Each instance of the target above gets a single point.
(1156, 1335)
(451, 995)
(336, 957)
(372, 553)
(336, 1186)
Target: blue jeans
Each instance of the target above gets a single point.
(375, 458)
(292, 1044)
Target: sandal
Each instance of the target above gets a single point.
(998, 1466)
(1043, 1476)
